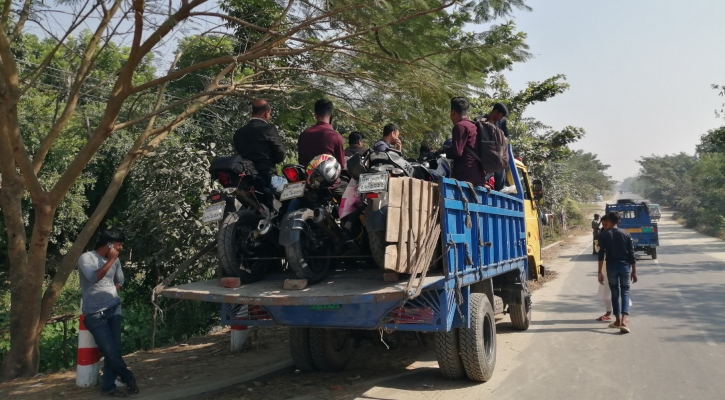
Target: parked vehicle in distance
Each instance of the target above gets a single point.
(635, 219)
(654, 211)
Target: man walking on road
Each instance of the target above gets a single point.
(101, 277)
(617, 245)
(604, 294)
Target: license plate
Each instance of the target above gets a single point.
(293, 191)
(377, 182)
(214, 212)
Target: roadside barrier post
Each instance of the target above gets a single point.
(240, 333)
(89, 357)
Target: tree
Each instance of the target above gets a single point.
(344, 48)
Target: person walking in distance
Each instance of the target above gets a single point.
(101, 277)
(616, 244)
(604, 293)
(595, 233)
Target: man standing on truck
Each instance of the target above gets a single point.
(465, 166)
(391, 139)
(259, 142)
(101, 278)
(595, 233)
(321, 138)
(617, 245)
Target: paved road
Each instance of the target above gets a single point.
(676, 349)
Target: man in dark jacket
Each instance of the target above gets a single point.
(465, 165)
(356, 144)
(321, 138)
(497, 116)
(259, 141)
(618, 247)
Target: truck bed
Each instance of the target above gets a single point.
(341, 288)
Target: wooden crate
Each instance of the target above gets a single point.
(412, 220)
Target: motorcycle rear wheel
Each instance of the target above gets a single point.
(309, 256)
(236, 244)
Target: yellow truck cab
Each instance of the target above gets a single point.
(534, 232)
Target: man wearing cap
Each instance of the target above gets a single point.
(355, 141)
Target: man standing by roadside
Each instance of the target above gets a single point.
(259, 142)
(604, 293)
(465, 166)
(100, 278)
(617, 245)
(391, 139)
(595, 233)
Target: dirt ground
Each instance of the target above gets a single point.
(207, 358)
(185, 365)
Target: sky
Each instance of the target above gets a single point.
(640, 73)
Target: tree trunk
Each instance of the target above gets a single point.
(27, 269)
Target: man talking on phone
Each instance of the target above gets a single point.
(101, 277)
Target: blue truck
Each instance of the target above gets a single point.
(635, 218)
(483, 267)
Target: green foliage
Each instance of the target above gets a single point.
(693, 184)
(573, 211)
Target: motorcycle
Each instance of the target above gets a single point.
(248, 212)
(373, 170)
(314, 234)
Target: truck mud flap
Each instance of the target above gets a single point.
(292, 224)
(375, 219)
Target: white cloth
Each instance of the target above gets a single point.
(604, 293)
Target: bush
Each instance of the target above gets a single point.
(573, 211)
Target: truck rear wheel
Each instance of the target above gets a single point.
(448, 354)
(331, 348)
(377, 247)
(653, 253)
(521, 313)
(299, 344)
(478, 343)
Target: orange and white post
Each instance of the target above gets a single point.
(89, 357)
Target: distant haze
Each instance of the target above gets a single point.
(640, 73)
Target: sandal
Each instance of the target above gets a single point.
(614, 325)
(624, 329)
(604, 318)
(114, 393)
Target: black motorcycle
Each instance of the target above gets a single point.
(372, 170)
(249, 213)
(314, 235)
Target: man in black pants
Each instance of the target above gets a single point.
(259, 142)
(497, 116)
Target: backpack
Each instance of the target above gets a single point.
(493, 151)
(229, 170)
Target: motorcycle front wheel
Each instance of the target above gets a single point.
(238, 247)
(309, 256)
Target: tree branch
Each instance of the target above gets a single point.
(21, 20)
(84, 69)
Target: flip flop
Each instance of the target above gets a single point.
(624, 329)
(604, 318)
(614, 325)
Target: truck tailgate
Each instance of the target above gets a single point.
(270, 292)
